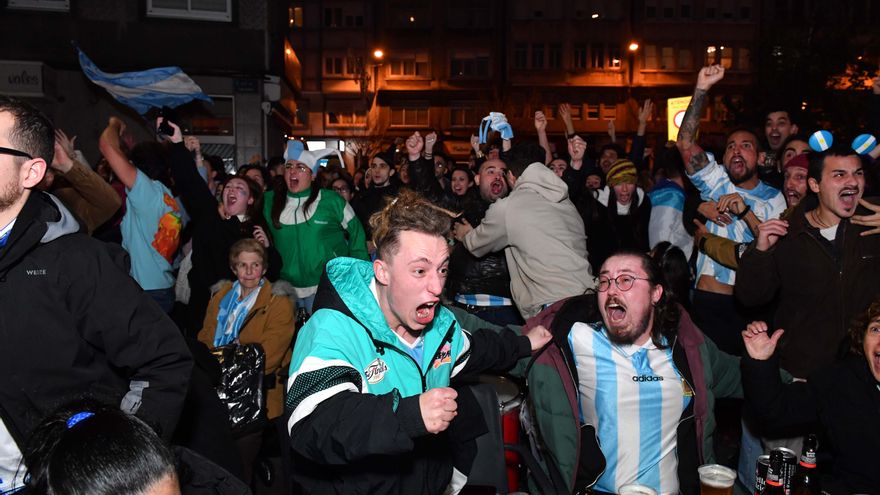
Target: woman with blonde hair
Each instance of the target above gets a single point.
(252, 310)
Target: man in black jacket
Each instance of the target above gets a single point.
(822, 266)
(73, 322)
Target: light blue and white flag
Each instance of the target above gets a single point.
(161, 87)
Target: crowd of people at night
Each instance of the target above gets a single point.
(293, 327)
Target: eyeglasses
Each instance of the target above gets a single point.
(623, 282)
(10, 151)
(341, 189)
(297, 166)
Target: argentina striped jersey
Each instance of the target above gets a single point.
(767, 202)
(634, 397)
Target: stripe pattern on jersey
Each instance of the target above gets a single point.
(767, 202)
(634, 397)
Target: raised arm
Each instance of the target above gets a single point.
(565, 115)
(90, 197)
(541, 129)
(694, 157)
(111, 147)
(637, 152)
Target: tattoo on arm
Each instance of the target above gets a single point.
(697, 162)
(694, 157)
(691, 121)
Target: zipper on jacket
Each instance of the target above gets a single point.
(422, 375)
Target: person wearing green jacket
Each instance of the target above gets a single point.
(310, 225)
(372, 408)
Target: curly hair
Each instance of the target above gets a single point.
(859, 328)
(408, 211)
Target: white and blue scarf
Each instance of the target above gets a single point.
(233, 313)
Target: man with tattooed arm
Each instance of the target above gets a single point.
(734, 186)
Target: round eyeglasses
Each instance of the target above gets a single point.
(623, 282)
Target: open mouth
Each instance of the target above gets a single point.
(616, 312)
(425, 312)
(791, 194)
(497, 187)
(849, 198)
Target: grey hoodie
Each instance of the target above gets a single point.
(543, 238)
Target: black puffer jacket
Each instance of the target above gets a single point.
(469, 274)
(76, 325)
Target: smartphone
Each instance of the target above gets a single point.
(168, 115)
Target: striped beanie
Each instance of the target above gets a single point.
(621, 172)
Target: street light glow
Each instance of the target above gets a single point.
(595, 16)
(633, 46)
(378, 54)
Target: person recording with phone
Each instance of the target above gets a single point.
(216, 226)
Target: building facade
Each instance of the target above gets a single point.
(445, 65)
(234, 50)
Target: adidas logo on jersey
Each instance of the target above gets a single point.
(647, 378)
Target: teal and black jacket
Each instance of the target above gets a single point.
(353, 392)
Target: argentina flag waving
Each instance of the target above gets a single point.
(161, 87)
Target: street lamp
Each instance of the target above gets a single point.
(631, 60)
(370, 72)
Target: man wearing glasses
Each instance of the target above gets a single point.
(74, 323)
(647, 379)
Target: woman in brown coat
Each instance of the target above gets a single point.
(252, 310)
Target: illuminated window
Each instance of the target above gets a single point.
(726, 56)
(409, 115)
(346, 119)
(651, 61)
(414, 65)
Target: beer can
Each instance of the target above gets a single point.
(761, 468)
(789, 467)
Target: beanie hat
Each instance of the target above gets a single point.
(296, 152)
(800, 161)
(621, 172)
(387, 156)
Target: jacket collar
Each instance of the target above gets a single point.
(42, 219)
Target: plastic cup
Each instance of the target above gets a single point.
(716, 479)
(636, 490)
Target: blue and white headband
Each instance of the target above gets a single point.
(822, 140)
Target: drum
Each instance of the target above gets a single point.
(509, 401)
